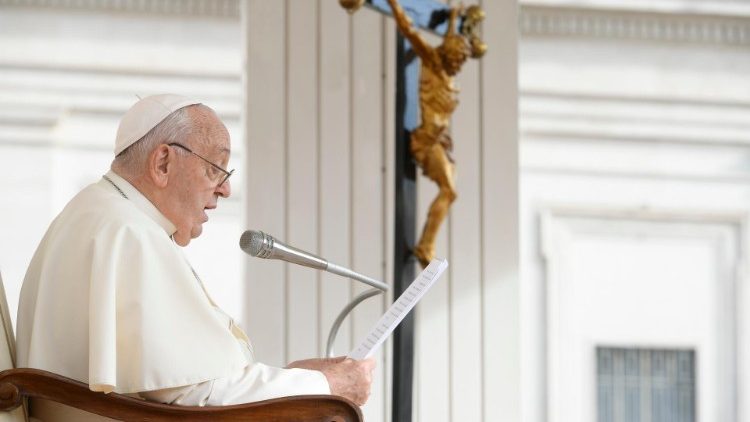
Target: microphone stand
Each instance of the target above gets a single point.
(261, 245)
(344, 312)
(379, 287)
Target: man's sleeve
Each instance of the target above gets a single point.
(255, 382)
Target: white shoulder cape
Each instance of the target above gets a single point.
(110, 300)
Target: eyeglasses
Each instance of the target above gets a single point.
(220, 178)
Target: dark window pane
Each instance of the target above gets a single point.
(645, 385)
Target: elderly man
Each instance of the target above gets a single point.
(110, 300)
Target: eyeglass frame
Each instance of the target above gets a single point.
(227, 173)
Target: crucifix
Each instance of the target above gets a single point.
(424, 82)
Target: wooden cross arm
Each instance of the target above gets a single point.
(431, 15)
(17, 384)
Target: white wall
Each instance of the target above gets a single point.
(316, 147)
(634, 151)
(67, 75)
(639, 280)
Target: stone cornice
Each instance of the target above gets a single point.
(544, 21)
(535, 19)
(575, 117)
(202, 8)
(728, 8)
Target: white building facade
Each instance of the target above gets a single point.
(307, 92)
(635, 128)
(634, 166)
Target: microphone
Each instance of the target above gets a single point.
(262, 245)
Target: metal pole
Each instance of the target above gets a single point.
(407, 91)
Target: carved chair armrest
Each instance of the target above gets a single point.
(17, 384)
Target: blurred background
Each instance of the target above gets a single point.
(69, 70)
(632, 206)
(635, 128)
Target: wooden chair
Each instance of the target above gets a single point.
(19, 385)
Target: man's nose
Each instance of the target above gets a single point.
(224, 190)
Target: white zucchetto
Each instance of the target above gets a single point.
(145, 115)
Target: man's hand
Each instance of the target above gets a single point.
(346, 377)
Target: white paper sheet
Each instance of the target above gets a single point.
(400, 308)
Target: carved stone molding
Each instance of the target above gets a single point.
(575, 118)
(534, 20)
(205, 8)
(542, 21)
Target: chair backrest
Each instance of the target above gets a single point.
(8, 353)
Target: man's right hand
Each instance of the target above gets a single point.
(346, 377)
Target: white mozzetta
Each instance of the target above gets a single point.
(110, 300)
(107, 270)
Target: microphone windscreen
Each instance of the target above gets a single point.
(252, 242)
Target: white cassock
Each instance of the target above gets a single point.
(110, 300)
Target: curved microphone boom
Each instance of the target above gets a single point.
(262, 245)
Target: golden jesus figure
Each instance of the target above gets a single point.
(431, 143)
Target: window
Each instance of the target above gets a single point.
(645, 385)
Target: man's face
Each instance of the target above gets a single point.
(454, 53)
(194, 189)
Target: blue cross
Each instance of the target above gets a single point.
(433, 16)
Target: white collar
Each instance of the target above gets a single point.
(140, 201)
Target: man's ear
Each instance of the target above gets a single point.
(160, 163)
